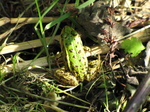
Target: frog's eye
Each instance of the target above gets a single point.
(64, 35)
(74, 33)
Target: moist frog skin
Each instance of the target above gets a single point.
(76, 63)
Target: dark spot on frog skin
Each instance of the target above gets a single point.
(71, 62)
(74, 57)
(83, 57)
(84, 62)
(71, 50)
(76, 66)
(66, 43)
(78, 43)
(79, 51)
(82, 69)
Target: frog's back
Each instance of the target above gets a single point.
(75, 57)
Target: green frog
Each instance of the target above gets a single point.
(76, 67)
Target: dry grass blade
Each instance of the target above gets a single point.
(11, 30)
(28, 65)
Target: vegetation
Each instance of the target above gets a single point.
(133, 46)
(31, 53)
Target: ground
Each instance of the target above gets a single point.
(31, 53)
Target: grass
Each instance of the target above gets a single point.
(28, 85)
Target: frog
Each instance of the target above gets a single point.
(76, 67)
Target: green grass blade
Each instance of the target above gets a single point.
(61, 18)
(85, 4)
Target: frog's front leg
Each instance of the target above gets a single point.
(93, 70)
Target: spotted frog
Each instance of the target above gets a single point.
(76, 67)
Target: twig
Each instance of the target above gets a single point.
(140, 95)
(144, 28)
